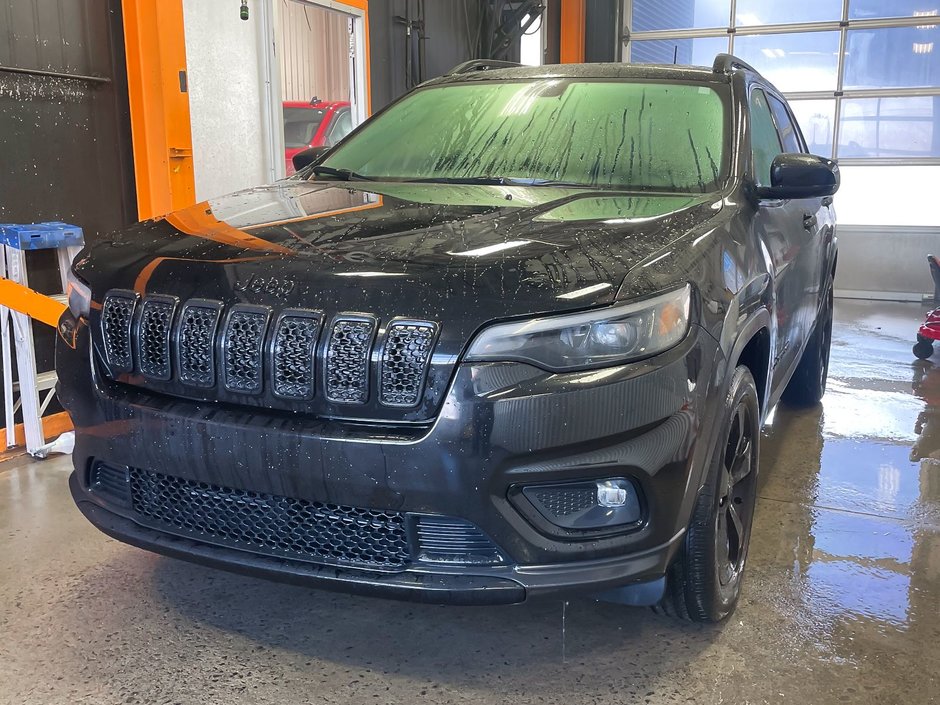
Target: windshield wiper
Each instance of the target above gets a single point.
(496, 181)
(342, 174)
(482, 180)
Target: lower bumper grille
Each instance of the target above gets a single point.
(270, 524)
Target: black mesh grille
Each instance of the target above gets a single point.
(153, 336)
(243, 345)
(111, 482)
(564, 501)
(347, 363)
(449, 540)
(198, 323)
(295, 343)
(117, 314)
(270, 524)
(405, 362)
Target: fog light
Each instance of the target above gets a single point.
(597, 504)
(611, 493)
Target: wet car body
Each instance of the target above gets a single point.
(439, 485)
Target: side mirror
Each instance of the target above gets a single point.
(308, 156)
(801, 176)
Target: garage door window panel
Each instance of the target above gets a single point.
(653, 15)
(761, 12)
(890, 127)
(695, 52)
(802, 61)
(817, 120)
(893, 57)
(875, 9)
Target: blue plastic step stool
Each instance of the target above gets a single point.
(16, 239)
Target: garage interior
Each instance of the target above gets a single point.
(119, 111)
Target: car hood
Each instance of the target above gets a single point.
(430, 251)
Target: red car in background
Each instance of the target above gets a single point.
(319, 123)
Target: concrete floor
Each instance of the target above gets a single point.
(841, 603)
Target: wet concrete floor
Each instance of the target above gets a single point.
(841, 602)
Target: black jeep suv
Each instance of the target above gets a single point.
(514, 336)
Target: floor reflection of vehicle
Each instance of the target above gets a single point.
(926, 385)
(319, 123)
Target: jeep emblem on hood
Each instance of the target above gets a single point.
(269, 285)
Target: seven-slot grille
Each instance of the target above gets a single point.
(153, 336)
(404, 360)
(293, 359)
(242, 343)
(347, 360)
(201, 344)
(196, 345)
(117, 315)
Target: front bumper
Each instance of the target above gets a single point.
(501, 426)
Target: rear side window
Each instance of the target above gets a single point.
(765, 142)
(788, 133)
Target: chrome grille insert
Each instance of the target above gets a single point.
(405, 359)
(117, 315)
(242, 348)
(196, 342)
(347, 359)
(292, 357)
(153, 336)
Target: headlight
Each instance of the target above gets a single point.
(595, 338)
(79, 295)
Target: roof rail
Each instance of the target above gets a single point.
(481, 65)
(726, 63)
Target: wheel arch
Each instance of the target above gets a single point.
(752, 348)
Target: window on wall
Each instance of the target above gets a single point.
(862, 77)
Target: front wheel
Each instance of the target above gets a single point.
(808, 383)
(704, 582)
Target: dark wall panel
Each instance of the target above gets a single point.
(602, 30)
(65, 142)
(65, 149)
(451, 28)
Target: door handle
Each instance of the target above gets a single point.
(809, 221)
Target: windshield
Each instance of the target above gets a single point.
(608, 134)
(300, 125)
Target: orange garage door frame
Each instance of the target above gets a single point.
(572, 31)
(155, 45)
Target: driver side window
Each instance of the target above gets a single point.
(765, 142)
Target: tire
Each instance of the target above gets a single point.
(808, 384)
(923, 349)
(704, 581)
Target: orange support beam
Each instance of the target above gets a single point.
(572, 31)
(155, 45)
(33, 304)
